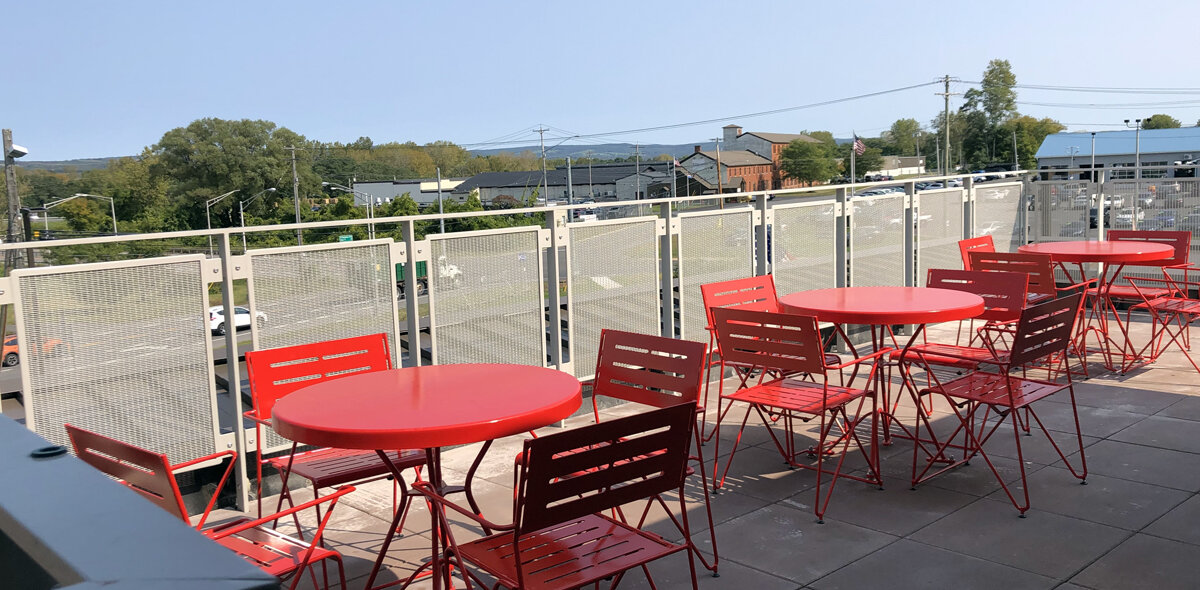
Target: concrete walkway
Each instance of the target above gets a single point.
(1135, 524)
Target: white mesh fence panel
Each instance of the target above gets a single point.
(614, 284)
(1060, 211)
(877, 241)
(486, 298)
(121, 349)
(939, 228)
(712, 248)
(804, 247)
(998, 214)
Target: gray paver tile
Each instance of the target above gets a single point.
(895, 510)
(1099, 422)
(762, 473)
(1125, 397)
(789, 543)
(895, 566)
(1163, 467)
(1164, 433)
(1186, 408)
(1179, 524)
(1125, 504)
(671, 573)
(1144, 561)
(1043, 543)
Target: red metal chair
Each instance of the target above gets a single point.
(1003, 296)
(276, 372)
(1172, 312)
(151, 475)
(1040, 268)
(657, 372)
(985, 400)
(979, 244)
(752, 293)
(559, 538)
(1181, 241)
(787, 344)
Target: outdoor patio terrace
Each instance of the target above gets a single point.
(1134, 521)
(1133, 525)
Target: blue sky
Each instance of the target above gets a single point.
(92, 79)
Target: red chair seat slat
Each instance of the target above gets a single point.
(272, 551)
(993, 389)
(795, 395)
(1128, 292)
(569, 555)
(330, 467)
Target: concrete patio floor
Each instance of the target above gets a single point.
(1135, 524)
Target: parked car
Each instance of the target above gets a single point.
(1165, 219)
(1126, 216)
(1190, 222)
(1107, 217)
(12, 353)
(216, 318)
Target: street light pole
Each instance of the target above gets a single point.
(242, 212)
(370, 204)
(1137, 168)
(207, 218)
(112, 206)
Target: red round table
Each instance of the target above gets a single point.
(1114, 255)
(879, 306)
(427, 407)
(1122, 252)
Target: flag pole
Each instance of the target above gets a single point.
(853, 151)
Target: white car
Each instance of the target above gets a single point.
(216, 318)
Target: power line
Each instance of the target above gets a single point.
(1102, 89)
(726, 118)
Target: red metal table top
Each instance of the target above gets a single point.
(884, 305)
(1122, 252)
(426, 407)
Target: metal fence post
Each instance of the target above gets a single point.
(968, 207)
(666, 269)
(556, 222)
(911, 250)
(233, 372)
(1023, 210)
(841, 238)
(763, 238)
(411, 295)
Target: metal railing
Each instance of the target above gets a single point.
(124, 347)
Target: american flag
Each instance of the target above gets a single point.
(859, 146)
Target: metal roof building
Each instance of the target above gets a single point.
(1160, 149)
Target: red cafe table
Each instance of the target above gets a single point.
(881, 308)
(427, 407)
(1113, 256)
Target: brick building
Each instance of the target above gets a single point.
(749, 161)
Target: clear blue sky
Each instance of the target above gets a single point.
(92, 79)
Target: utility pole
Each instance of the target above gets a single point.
(946, 94)
(637, 170)
(720, 188)
(541, 131)
(296, 194)
(570, 185)
(441, 221)
(1017, 159)
(14, 200)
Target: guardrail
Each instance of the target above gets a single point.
(133, 354)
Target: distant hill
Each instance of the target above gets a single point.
(67, 165)
(603, 151)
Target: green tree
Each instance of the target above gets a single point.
(903, 136)
(1161, 121)
(1030, 134)
(807, 162)
(871, 160)
(999, 99)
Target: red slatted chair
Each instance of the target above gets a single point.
(560, 539)
(788, 344)
(985, 400)
(657, 372)
(1181, 241)
(151, 475)
(1039, 267)
(276, 372)
(979, 244)
(1172, 312)
(753, 293)
(1003, 296)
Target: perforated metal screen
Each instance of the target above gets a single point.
(804, 247)
(712, 248)
(326, 292)
(486, 298)
(121, 349)
(1060, 211)
(614, 284)
(998, 214)
(877, 241)
(939, 228)
(1167, 204)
